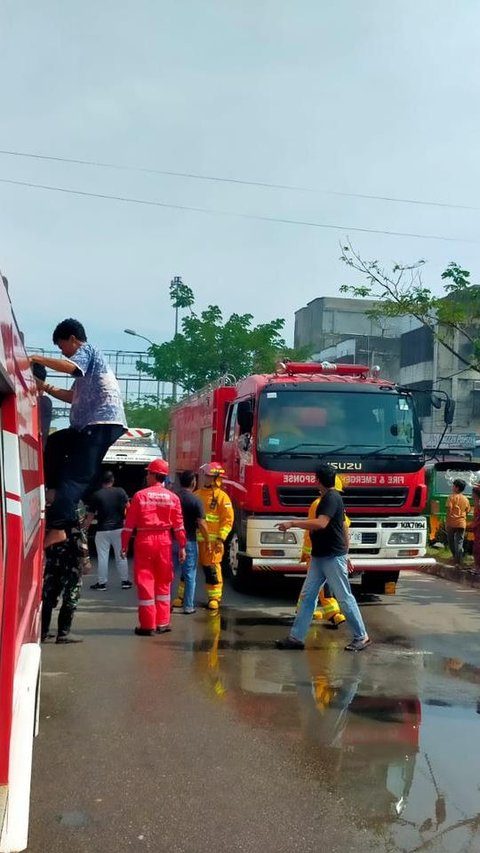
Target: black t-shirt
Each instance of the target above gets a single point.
(192, 510)
(330, 542)
(46, 407)
(109, 505)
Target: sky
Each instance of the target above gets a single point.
(371, 97)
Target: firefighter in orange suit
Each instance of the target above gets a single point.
(154, 513)
(327, 608)
(219, 517)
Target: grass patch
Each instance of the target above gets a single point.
(444, 555)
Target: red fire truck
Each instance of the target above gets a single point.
(271, 432)
(21, 566)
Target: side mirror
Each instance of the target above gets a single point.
(449, 411)
(436, 401)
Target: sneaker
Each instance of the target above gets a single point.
(101, 586)
(189, 610)
(144, 632)
(63, 641)
(126, 585)
(357, 645)
(290, 643)
(163, 629)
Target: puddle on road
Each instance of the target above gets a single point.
(392, 731)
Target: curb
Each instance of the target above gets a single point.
(451, 573)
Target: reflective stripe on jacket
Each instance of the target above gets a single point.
(218, 513)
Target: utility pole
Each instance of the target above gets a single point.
(175, 283)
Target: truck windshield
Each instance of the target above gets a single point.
(306, 423)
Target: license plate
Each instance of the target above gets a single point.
(355, 537)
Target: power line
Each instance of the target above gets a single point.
(215, 212)
(219, 179)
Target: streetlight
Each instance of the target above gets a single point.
(136, 335)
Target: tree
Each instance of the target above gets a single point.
(208, 347)
(453, 317)
(149, 413)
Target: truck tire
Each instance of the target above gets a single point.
(238, 567)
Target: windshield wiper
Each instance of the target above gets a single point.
(294, 447)
(398, 446)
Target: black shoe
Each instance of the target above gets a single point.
(101, 586)
(126, 585)
(144, 632)
(357, 645)
(290, 643)
(46, 637)
(63, 641)
(163, 629)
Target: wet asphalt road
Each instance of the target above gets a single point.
(209, 739)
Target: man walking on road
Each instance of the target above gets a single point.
(108, 506)
(155, 512)
(458, 507)
(194, 520)
(329, 536)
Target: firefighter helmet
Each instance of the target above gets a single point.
(213, 469)
(158, 466)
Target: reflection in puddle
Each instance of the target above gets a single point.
(395, 734)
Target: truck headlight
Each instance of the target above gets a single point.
(404, 538)
(276, 537)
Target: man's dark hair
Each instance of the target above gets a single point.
(67, 328)
(325, 475)
(160, 478)
(186, 479)
(460, 485)
(108, 477)
(39, 371)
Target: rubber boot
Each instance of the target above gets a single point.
(214, 595)
(178, 600)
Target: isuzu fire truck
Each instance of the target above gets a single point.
(21, 569)
(272, 431)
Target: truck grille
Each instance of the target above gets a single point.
(353, 497)
(369, 538)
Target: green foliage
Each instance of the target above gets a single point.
(453, 317)
(148, 413)
(181, 295)
(208, 347)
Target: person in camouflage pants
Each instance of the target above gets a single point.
(65, 564)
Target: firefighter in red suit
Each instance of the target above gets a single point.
(154, 512)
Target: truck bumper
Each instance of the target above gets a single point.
(362, 564)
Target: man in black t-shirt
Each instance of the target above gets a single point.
(194, 520)
(108, 505)
(329, 563)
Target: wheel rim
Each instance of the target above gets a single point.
(233, 555)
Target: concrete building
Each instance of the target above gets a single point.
(340, 330)
(425, 364)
